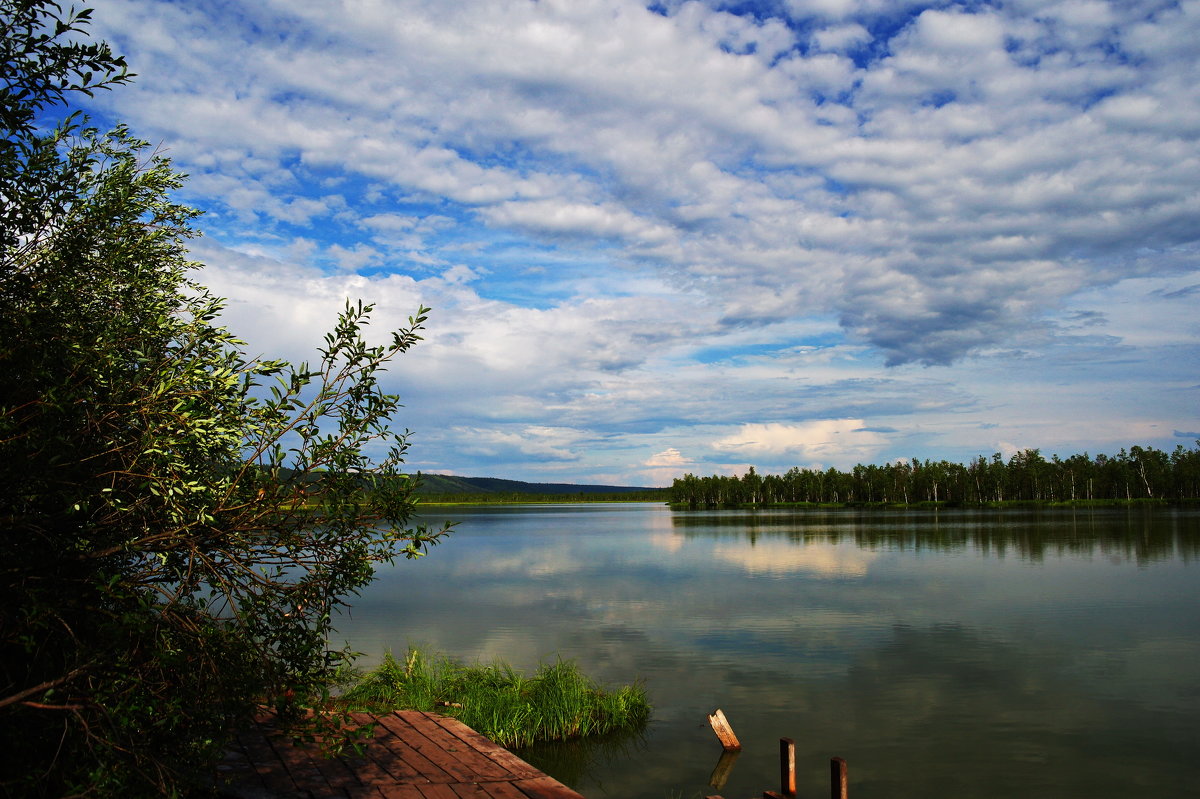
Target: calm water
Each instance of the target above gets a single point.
(943, 654)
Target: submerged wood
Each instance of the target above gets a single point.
(721, 773)
(724, 732)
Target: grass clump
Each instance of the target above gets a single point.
(557, 703)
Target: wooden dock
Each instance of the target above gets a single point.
(413, 755)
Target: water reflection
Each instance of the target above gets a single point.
(977, 653)
(1140, 534)
(578, 762)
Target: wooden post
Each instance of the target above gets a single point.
(838, 782)
(724, 732)
(787, 766)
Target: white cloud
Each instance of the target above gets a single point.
(973, 34)
(839, 37)
(576, 219)
(668, 457)
(648, 228)
(533, 441)
(827, 441)
(841, 9)
(613, 122)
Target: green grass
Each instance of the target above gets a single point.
(558, 702)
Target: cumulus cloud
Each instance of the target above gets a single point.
(613, 209)
(544, 443)
(575, 219)
(668, 457)
(840, 37)
(827, 441)
(963, 172)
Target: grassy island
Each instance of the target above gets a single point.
(558, 702)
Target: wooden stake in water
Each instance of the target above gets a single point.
(838, 782)
(787, 766)
(724, 732)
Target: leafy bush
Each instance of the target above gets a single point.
(179, 521)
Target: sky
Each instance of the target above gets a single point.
(674, 237)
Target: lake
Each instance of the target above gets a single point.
(949, 653)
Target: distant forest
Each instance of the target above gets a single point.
(1141, 473)
(438, 488)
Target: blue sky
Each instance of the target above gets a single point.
(698, 236)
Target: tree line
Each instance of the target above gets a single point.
(1139, 473)
(520, 497)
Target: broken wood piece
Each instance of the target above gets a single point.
(724, 732)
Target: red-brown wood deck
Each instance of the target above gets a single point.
(413, 755)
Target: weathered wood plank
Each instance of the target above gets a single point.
(456, 756)
(503, 790)
(368, 769)
(380, 750)
(307, 767)
(271, 771)
(503, 758)
(399, 791)
(408, 755)
(336, 771)
(416, 737)
(398, 743)
(545, 788)
(476, 753)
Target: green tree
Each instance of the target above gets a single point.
(180, 522)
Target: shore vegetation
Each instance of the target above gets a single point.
(162, 569)
(559, 702)
(1137, 475)
(660, 495)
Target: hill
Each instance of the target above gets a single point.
(449, 485)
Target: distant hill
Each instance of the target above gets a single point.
(441, 484)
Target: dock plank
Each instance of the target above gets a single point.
(389, 755)
(504, 790)
(543, 787)
(424, 738)
(504, 759)
(409, 755)
(463, 755)
(401, 744)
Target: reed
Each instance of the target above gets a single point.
(558, 702)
